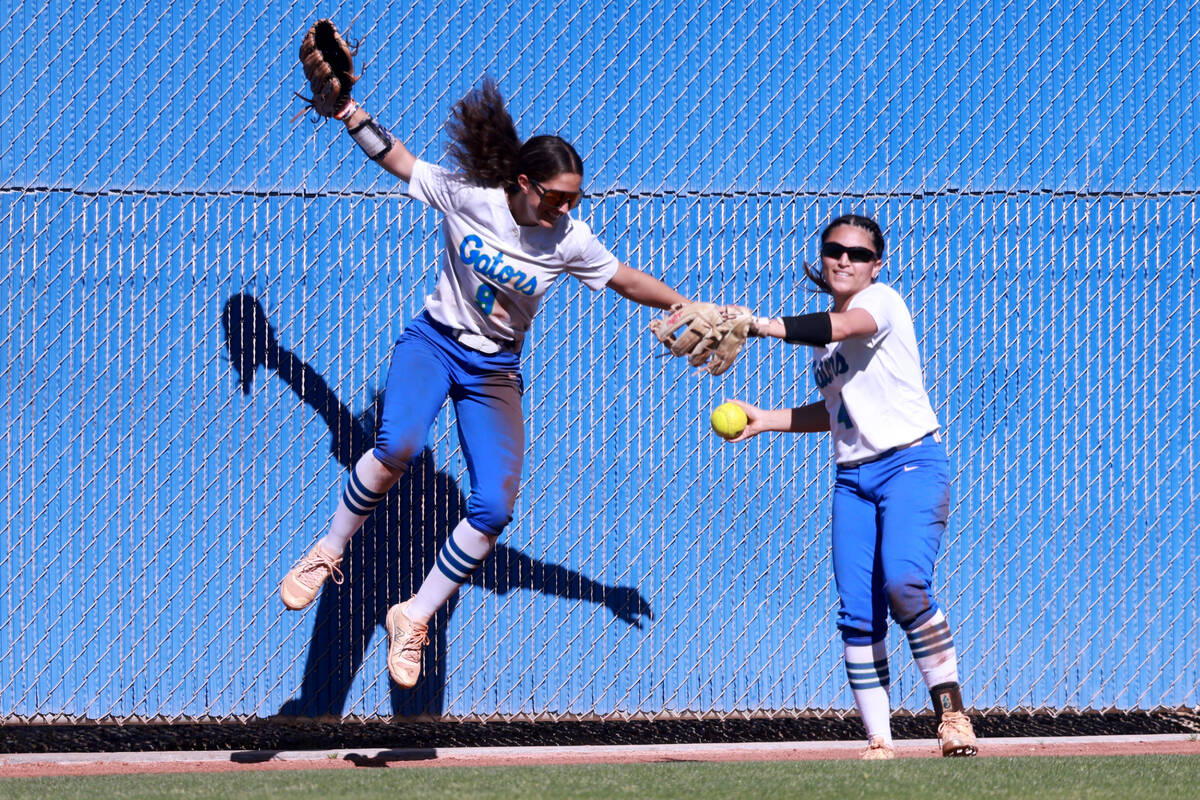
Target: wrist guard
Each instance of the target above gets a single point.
(759, 326)
(372, 137)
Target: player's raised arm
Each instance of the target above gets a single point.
(382, 148)
(329, 66)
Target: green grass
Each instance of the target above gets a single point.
(1125, 777)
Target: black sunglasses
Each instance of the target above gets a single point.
(554, 198)
(859, 255)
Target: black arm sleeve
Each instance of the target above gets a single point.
(815, 330)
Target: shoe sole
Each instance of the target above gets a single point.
(962, 751)
(292, 603)
(392, 626)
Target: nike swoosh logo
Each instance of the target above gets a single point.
(910, 467)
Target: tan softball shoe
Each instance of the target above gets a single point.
(878, 750)
(406, 641)
(957, 735)
(304, 580)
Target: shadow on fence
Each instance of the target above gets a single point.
(397, 546)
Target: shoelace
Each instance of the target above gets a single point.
(953, 726)
(314, 562)
(417, 638)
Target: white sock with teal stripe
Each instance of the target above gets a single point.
(933, 650)
(358, 500)
(867, 669)
(458, 559)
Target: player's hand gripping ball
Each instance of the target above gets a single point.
(728, 420)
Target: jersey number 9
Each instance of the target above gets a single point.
(485, 298)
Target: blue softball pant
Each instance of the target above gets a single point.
(427, 366)
(889, 517)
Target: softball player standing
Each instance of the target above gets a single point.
(508, 236)
(891, 496)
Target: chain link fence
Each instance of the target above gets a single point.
(200, 297)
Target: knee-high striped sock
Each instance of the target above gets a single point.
(933, 650)
(359, 499)
(867, 669)
(458, 559)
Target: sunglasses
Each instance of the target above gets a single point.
(859, 255)
(554, 198)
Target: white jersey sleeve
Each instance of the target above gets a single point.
(873, 386)
(586, 258)
(495, 272)
(435, 186)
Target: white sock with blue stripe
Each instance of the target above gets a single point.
(933, 650)
(458, 559)
(867, 669)
(358, 500)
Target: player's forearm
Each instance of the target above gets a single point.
(767, 326)
(399, 161)
(811, 418)
(371, 137)
(808, 329)
(775, 419)
(818, 329)
(635, 285)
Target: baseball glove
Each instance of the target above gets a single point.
(708, 335)
(329, 66)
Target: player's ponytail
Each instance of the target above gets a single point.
(483, 139)
(485, 145)
(816, 279)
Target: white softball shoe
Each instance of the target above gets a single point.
(878, 749)
(406, 642)
(306, 577)
(956, 735)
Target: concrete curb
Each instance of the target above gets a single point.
(582, 754)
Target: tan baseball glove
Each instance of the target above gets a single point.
(329, 66)
(708, 335)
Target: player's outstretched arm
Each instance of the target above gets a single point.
(371, 136)
(820, 328)
(328, 63)
(811, 418)
(635, 285)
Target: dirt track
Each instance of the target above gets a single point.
(35, 765)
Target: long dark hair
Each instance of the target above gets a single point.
(869, 225)
(485, 145)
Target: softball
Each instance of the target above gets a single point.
(728, 420)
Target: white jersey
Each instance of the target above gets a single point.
(873, 386)
(494, 272)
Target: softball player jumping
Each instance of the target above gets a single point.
(508, 237)
(891, 496)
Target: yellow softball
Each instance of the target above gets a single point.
(728, 420)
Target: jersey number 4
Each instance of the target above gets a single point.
(842, 416)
